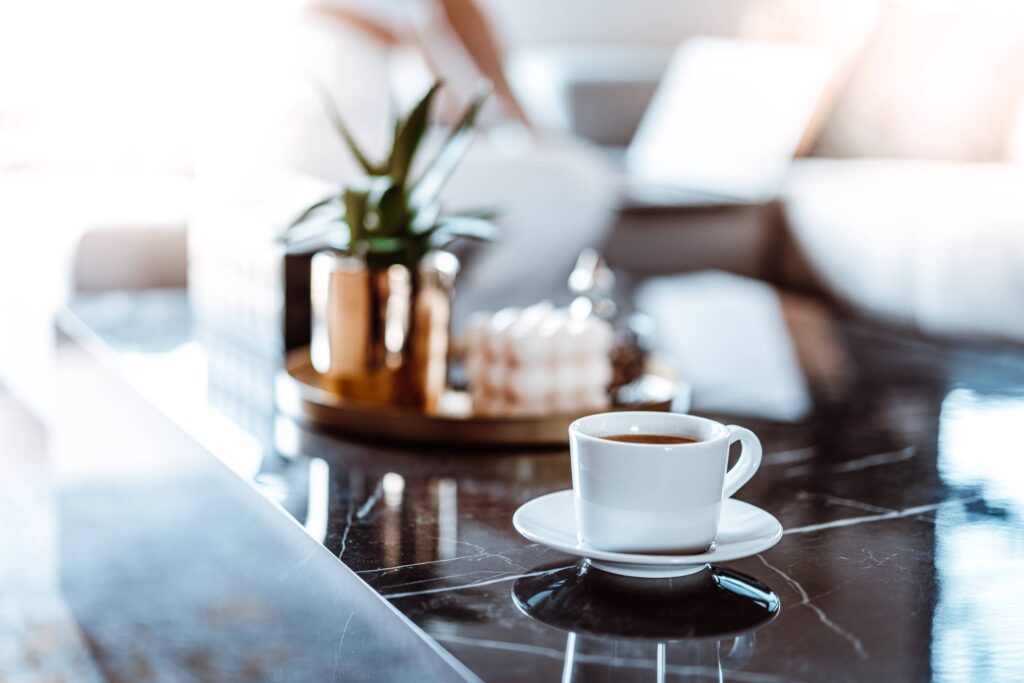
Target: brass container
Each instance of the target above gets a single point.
(380, 333)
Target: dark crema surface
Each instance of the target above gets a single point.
(660, 439)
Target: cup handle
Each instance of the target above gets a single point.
(749, 460)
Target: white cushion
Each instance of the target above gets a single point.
(939, 246)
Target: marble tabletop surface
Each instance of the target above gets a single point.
(901, 491)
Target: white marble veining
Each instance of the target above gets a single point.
(874, 460)
(476, 584)
(866, 519)
(805, 601)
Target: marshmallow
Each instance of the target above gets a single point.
(537, 360)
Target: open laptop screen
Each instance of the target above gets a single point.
(728, 117)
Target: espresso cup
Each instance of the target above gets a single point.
(655, 498)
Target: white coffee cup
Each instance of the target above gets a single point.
(657, 498)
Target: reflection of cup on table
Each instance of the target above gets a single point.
(658, 484)
(686, 628)
(587, 658)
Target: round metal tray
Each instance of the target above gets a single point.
(303, 394)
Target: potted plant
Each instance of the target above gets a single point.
(381, 290)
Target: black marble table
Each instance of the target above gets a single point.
(901, 492)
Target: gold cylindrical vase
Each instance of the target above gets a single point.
(380, 332)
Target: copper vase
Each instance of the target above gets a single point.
(380, 332)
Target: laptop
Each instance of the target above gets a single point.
(724, 123)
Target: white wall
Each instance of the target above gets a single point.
(529, 23)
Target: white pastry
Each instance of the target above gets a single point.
(495, 376)
(500, 324)
(537, 360)
(529, 383)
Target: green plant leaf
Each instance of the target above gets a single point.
(456, 227)
(331, 234)
(408, 138)
(469, 227)
(482, 214)
(425, 218)
(309, 228)
(454, 148)
(355, 214)
(375, 216)
(386, 245)
(310, 210)
(339, 125)
(393, 211)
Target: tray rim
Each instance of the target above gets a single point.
(319, 407)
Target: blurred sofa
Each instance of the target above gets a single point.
(906, 202)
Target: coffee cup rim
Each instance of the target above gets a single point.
(576, 428)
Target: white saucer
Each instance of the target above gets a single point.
(745, 530)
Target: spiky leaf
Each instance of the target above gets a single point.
(386, 245)
(355, 214)
(331, 234)
(455, 227)
(408, 138)
(425, 218)
(482, 214)
(470, 228)
(454, 148)
(393, 211)
(375, 217)
(339, 125)
(305, 215)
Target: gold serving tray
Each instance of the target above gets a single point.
(303, 394)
